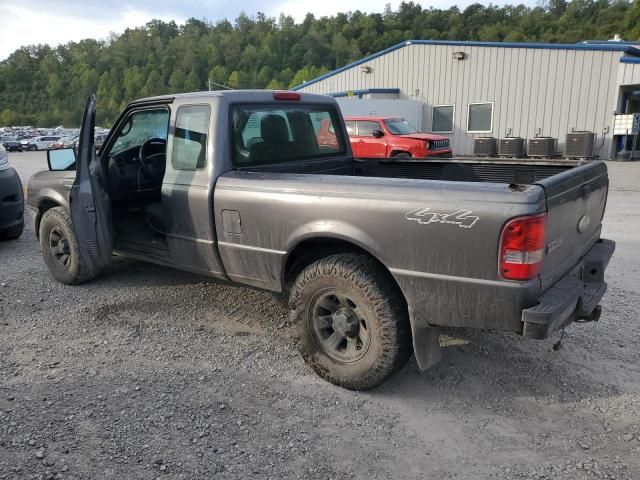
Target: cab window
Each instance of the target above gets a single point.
(190, 137)
(281, 133)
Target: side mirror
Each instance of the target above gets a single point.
(61, 160)
(378, 133)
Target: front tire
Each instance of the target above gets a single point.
(402, 155)
(13, 232)
(352, 322)
(60, 248)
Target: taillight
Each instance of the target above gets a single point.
(522, 247)
(286, 96)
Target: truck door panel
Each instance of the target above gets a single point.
(187, 191)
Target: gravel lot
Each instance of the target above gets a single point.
(149, 372)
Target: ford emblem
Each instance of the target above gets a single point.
(584, 223)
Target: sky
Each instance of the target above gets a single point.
(29, 22)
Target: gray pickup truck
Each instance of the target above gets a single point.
(375, 255)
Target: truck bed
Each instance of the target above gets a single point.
(435, 224)
(518, 171)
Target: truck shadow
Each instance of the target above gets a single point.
(490, 367)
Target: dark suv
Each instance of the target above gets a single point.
(11, 200)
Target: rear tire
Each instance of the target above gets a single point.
(60, 248)
(352, 322)
(12, 232)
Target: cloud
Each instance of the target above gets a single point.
(29, 25)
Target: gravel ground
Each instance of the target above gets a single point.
(149, 373)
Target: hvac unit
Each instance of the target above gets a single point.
(511, 147)
(579, 145)
(485, 147)
(541, 147)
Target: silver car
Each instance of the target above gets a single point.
(42, 143)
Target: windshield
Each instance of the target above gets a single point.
(399, 126)
(276, 133)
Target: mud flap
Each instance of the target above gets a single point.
(426, 342)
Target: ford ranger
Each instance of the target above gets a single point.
(375, 255)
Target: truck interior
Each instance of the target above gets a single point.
(135, 163)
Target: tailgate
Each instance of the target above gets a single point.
(575, 203)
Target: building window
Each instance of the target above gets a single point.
(480, 119)
(442, 118)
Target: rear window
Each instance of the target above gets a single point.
(366, 128)
(277, 133)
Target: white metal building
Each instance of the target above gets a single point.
(472, 89)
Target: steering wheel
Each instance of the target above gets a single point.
(148, 160)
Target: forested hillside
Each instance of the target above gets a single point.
(47, 86)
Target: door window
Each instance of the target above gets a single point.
(190, 137)
(366, 128)
(139, 127)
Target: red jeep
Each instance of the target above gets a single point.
(392, 137)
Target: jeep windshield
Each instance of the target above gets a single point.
(399, 126)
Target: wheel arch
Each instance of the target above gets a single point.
(398, 151)
(311, 249)
(45, 204)
(425, 338)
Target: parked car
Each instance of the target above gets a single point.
(99, 140)
(42, 142)
(11, 200)
(393, 137)
(234, 185)
(65, 142)
(11, 144)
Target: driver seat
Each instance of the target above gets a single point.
(155, 217)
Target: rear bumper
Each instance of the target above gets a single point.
(11, 199)
(575, 297)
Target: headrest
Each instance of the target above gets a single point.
(273, 129)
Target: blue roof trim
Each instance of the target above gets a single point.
(366, 91)
(611, 47)
(630, 60)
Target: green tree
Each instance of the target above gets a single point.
(39, 83)
(234, 80)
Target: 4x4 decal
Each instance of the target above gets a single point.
(425, 216)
